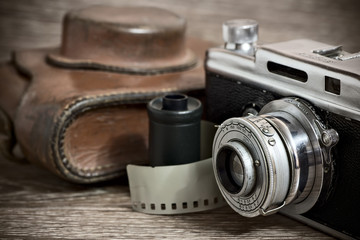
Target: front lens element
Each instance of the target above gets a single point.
(225, 171)
(235, 168)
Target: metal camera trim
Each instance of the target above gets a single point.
(301, 202)
(289, 158)
(320, 73)
(268, 196)
(303, 54)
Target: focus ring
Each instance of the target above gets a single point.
(265, 147)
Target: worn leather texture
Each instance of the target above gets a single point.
(226, 98)
(86, 126)
(12, 87)
(85, 119)
(140, 40)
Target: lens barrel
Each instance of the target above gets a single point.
(273, 161)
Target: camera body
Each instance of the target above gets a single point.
(289, 138)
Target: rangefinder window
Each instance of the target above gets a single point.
(287, 71)
(332, 85)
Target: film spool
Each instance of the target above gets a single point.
(174, 130)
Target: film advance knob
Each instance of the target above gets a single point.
(240, 34)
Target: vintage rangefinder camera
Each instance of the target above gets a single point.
(288, 138)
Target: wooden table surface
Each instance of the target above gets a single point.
(38, 205)
(35, 204)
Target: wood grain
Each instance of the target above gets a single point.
(37, 23)
(35, 204)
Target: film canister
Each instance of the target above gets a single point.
(174, 130)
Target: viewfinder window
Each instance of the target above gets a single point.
(286, 71)
(332, 85)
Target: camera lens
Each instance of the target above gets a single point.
(274, 160)
(225, 166)
(235, 168)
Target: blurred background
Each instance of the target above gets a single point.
(37, 23)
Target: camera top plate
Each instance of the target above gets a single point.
(296, 68)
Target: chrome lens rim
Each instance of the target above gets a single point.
(303, 200)
(239, 181)
(290, 148)
(272, 177)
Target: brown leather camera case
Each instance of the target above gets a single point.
(80, 110)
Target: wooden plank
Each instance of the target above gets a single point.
(36, 204)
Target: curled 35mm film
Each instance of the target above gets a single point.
(177, 189)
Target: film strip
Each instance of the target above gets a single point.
(174, 189)
(177, 189)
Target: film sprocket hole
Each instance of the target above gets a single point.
(289, 138)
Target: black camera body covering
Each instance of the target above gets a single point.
(289, 128)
